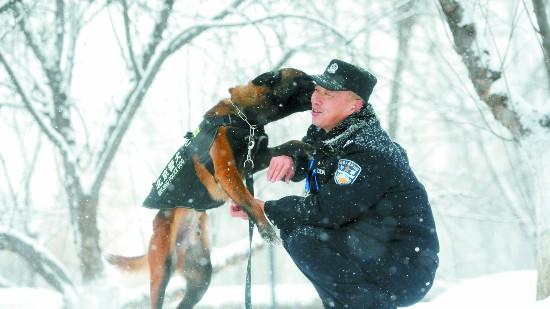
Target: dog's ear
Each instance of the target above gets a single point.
(267, 79)
(293, 81)
(305, 83)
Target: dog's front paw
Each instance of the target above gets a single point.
(269, 234)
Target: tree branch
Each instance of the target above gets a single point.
(11, 190)
(136, 67)
(181, 38)
(37, 50)
(480, 74)
(403, 37)
(73, 32)
(59, 30)
(234, 253)
(8, 5)
(544, 31)
(134, 99)
(55, 137)
(40, 261)
(289, 53)
(158, 30)
(52, 71)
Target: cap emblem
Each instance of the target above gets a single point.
(332, 68)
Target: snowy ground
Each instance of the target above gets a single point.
(510, 290)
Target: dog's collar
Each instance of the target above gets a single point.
(237, 119)
(241, 124)
(230, 120)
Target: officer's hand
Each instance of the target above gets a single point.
(280, 167)
(237, 212)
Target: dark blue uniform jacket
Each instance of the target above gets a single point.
(363, 194)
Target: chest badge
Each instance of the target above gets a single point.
(347, 172)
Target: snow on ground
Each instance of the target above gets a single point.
(507, 290)
(288, 296)
(29, 298)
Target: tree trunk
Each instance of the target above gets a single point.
(83, 214)
(404, 27)
(543, 265)
(534, 136)
(544, 31)
(540, 165)
(89, 249)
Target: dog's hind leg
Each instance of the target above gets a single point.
(161, 253)
(197, 268)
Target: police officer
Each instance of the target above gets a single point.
(364, 235)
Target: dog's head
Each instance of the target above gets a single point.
(274, 95)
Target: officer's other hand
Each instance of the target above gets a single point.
(280, 167)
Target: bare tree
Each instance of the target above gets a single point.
(404, 27)
(544, 31)
(55, 55)
(47, 33)
(531, 135)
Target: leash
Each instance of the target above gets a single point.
(248, 282)
(249, 181)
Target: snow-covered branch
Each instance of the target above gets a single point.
(234, 253)
(38, 51)
(59, 30)
(481, 75)
(181, 38)
(158, 31)
(54, 136)
(41, 261)
(6, 6)
(135, 66)
(135, 97)
(544, 31)
(133, 101)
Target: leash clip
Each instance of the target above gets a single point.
(248, 161)
(251, 133)
(251, 144)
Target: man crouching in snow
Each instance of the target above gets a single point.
(364, 235)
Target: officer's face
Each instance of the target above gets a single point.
(329, 108)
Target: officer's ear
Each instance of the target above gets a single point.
(358, 104)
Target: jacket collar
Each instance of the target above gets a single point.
(335, 139)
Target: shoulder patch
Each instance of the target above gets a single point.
(347, 172)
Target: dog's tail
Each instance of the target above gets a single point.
(129, 264)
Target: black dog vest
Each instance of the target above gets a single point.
(178, 185)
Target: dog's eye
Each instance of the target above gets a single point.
(267, 79)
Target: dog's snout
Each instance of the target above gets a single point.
(231, 89)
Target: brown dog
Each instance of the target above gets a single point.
(208, 171)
